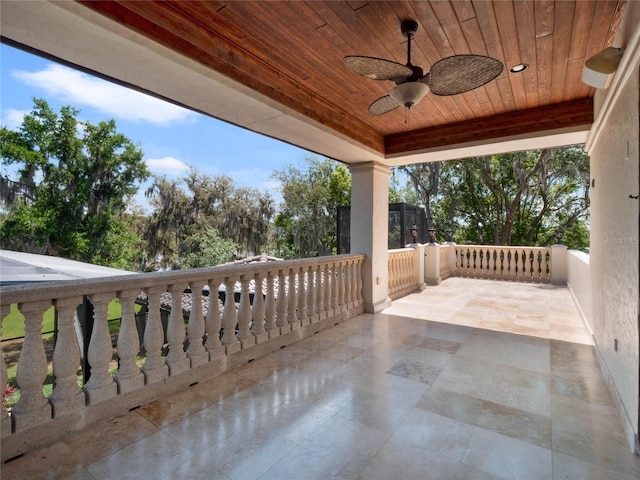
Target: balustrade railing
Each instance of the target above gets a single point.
(236, 313)
(527, 264)
(402, 272)
(445, 267)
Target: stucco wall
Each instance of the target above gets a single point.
(579, 282)
(614, 235)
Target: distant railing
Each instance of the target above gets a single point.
(402, 272)
(445, 267)
(579, 283)
(274, 303)
(526, 264)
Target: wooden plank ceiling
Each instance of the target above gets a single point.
(292, 52)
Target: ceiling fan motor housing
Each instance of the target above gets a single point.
(409, 28)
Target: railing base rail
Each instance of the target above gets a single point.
(58, 428)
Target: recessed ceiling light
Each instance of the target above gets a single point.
(519, 68)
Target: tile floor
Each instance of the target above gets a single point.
(472, 379)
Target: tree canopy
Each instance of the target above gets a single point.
(306, 222)
(518, 198)
(72, 198)
(193, 212)
(73, 185)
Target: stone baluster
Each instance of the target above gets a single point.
(129, 376)
(348, 284)
(334, 286)
(340, 271)
(521, 264)
(100, 386)
(327, 288)
(302, 297)
(270, 307)
(319, 289)
(393, 274)
(359, 297)
(258, 311)
(292, 300)
(154, 368)
(348, 287)
(354, 281)
(244, 314)
(33, 408)
(213, 321)
(195, 333)
(176, 333)
(310, 290)
(66, 396)
(230, 318)
(282, 303)
(5, 419)
(487, 263)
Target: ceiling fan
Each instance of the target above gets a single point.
(449, 76)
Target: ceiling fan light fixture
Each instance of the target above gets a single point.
(409, 94)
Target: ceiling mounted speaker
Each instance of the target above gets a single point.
(599, 70)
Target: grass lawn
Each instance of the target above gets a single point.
(13, 324)
(13, 327)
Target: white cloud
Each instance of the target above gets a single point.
(167, 166)
(80, 89)
(12, 119)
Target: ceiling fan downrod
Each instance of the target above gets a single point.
(409, 29)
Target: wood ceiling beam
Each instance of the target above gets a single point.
(547, 118)
(176, 31)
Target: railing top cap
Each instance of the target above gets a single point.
(61, 289)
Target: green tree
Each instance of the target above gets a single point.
(306, 223)
(71, 194)
(183, 210)
(246, 219)
(425, 178)
(518, 198)
(401, 190)
(210, 250)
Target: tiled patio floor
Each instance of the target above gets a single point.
(472, 379)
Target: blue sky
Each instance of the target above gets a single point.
(172, 138)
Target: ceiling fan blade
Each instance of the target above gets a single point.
(461, 73)
(377, 68)
(383, 105)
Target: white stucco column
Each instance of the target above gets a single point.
(370, 230)
(432, 263)
(559, 267)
